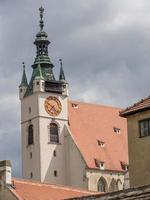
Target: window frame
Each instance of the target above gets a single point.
(51, 141)
(139, 123)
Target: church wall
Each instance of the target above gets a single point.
(94, 176)
(75, 165)
(49, 162)
(139, 148)
(30, 165)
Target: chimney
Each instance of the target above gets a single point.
(5, 173)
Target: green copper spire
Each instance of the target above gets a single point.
(42, 43)
(61, 75)
(24, 81)
(38, 73)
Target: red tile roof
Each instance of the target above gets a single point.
(32, 190)
(143, 104)
(90, 123)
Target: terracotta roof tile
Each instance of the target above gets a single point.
(90, 123)
(139, 106)
(32, 190)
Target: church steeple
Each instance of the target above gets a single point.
(42, 43)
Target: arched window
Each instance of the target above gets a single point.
(113, 186)
(54, 137)
(102, 185)
(30, 134)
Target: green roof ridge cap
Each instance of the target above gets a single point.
(39, 75)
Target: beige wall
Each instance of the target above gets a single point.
(139, 151)
(94, 176)
(43, 163)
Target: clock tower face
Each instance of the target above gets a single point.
(53, 106)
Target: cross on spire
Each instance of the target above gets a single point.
(41, 9)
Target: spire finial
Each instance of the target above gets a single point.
(60, 60)
(23, 65)
(41, 9)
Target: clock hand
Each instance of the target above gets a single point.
(53, 108)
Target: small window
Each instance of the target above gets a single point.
(55, 173)
(30, 134)
(30, 155)
(117, 130)
(21, 90)
(144, 126)
(100, 143)
(54, 137)
(31, 175)
(124, 166)
(37, 83)
(54, 153)
(29, 109)
(100, 164)
(75, 105)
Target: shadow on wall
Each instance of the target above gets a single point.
(66, 165)
(56, 169)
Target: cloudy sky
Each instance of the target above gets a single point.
(105, 47)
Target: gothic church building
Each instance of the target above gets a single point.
(67, 142)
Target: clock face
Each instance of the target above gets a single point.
(53, 106)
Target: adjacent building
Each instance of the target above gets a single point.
(67, 142)
(138, 120)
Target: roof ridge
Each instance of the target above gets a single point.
(135, 104)
(94, 104)
(38, 183)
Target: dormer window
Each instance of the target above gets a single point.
(124, 166)
(74, 105)
(101, 143)
(117, 130)
(100, 164)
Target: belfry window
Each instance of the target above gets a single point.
(30, 134)
(54, 137)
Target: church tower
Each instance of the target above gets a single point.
(44, 116)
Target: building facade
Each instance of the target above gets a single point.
(138, 121)
(66, 142)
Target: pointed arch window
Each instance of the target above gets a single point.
(113, 186)
(102, 185)
(54, 137)
(30, 134)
